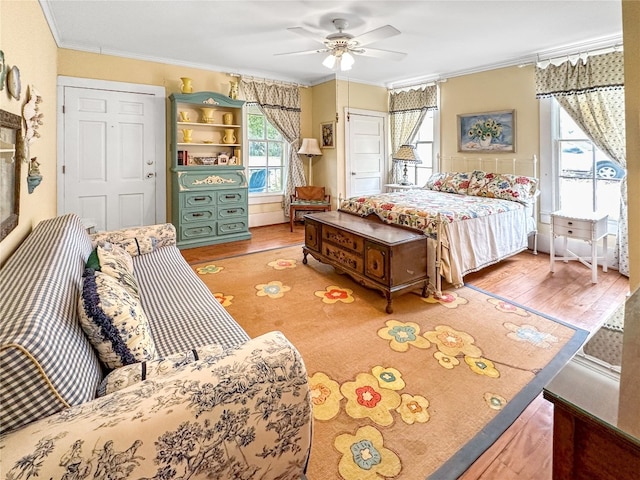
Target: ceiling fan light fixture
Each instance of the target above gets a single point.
(330, 61)
(347, 61)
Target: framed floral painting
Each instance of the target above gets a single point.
(328, 135)
(487, 132)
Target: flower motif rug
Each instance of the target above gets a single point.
(415, 394)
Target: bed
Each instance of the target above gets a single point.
(473, 218)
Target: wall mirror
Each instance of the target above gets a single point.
(10, 138)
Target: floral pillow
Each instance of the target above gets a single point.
(117, 263)
(452, 182)
(137, 372)
(139, 245)
(506, 186)
(112, 318)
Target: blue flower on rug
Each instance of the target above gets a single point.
(530, 334)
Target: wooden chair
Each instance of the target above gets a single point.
(308, 199)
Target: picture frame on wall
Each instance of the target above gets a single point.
(487, 132)
(328, 135)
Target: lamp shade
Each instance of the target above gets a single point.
(407, 153)
(310, 147)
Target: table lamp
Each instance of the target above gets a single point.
(310, 148)
(406, 154)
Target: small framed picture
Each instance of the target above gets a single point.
(223, 159)
(328, 135)
(233, 160)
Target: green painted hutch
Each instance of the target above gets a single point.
(208, 181)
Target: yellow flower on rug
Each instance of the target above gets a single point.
(403, 334)
(413, 409)
(448, 299)
(365, 399)
(530, 334)
(325, 396)
(452, 342)
(446, 361)
(209, 269)
(482, 366)
(282, 264)
(388, 377)
(273, 289)
(333, 294)
(364, 456)
(225, 300)
(495, 401)
(506, 307)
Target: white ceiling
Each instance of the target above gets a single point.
(441, 38)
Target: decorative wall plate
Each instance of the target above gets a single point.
(3, 70)
(13, 82)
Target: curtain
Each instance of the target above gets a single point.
(408, 109)
(280, 104)
(592, 93)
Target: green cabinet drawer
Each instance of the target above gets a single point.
(197, 215)
(197, 230)
(197, 199)
(231, 212)
(226, 228)
(226, 197)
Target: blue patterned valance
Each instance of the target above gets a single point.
(598, 72)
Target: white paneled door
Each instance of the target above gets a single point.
(366, 153)
(110, 157)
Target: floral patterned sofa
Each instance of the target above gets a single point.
(195, 397)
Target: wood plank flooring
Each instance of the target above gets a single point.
(524, 451)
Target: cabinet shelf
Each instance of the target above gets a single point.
(201, 124)
(209, 144)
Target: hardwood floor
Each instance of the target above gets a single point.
(524, 451)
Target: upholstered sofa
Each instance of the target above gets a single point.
(208, 403)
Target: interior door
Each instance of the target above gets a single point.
(109, 165)
(366, 153)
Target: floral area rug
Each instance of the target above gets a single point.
(418, 393)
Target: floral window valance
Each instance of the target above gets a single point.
(598, 72)
(425, 98)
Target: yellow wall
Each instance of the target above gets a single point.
(494, 90)
(27, 43)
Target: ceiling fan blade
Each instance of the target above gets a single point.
(377, 53)
(303, 52)
(306, 33)
(375, 35)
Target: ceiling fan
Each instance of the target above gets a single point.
(341, 45)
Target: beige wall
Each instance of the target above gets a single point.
(27, 43)
(324, 110)
(494, 90)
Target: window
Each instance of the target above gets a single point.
(267, 154)
(586, 177)
(424, 147)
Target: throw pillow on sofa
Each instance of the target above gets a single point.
(137, 372)
(117, 263)
(113, 320)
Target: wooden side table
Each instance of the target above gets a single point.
(589, 227)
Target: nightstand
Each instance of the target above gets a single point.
(394, 187)
(590, 227)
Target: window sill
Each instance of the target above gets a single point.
(262, 198)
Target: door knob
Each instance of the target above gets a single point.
(150, 175)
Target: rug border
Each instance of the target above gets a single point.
(301, 244)
(460, 462)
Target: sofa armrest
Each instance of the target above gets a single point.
(164, 234)
(243, 414)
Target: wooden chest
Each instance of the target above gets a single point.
(388, 258)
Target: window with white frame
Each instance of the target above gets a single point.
(424, 142)
(585, 178)
(267, 154)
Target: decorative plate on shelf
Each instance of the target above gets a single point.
(13, 82)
